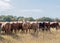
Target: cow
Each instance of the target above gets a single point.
(19, 26)
(13, 27)
(10, 26)
(54, 25)
(47, 25)
(16, 26)
(6, 27)
(0, 26)
(44, 26)
(34, 26)
(25, 26)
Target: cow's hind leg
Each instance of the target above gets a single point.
(11, 30)
(42, 29)
(26, 30)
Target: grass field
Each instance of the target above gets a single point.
(42, 37)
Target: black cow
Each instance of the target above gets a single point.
(44, 26)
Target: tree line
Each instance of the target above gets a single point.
(4, 18)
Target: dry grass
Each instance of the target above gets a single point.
(43, 37)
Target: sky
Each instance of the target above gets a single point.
(31, 8)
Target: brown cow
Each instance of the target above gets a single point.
(54, 25)
(47, 25)
(35, 27)
(16, 26)
(19, 26)
(0, 26)
(25, 26)
(6, 27)
(13, 27)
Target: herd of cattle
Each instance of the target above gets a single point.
(27, 26)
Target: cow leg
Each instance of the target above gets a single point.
(29, 30)
(22, 30)
(18, 30)
(6, 31)
(34, 30)
(39, 28)
(47, 29)
(11, 30)
(0, 30)
(15, 30)
(26, 30)
(56, 27)
(42, 29)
